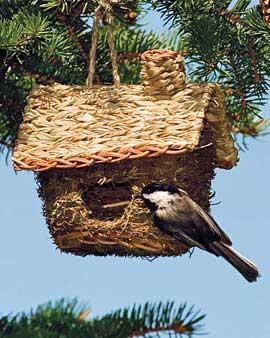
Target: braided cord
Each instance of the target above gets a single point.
(103, 10)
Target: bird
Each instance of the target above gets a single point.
(174, 212)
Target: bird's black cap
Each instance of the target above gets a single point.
(158, 186)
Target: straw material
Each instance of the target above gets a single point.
(74, 203)
(119, 139)
(75, 126)
(103, 11)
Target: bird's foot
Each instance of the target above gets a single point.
(190, 251)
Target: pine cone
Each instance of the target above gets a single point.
(265, 9)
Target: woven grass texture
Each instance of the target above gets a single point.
(81, 205)
(95, 148)
(75, 126)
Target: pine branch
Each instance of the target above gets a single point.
(125, 11)
(74, 8)
(67, 22)
(69, 319)
(36, 44)
(176, 328)
(241, 89)
(228, 43)
(150, 319)
(39, 78)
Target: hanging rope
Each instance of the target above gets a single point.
(115, 71)
(93, 50)
(104, 10)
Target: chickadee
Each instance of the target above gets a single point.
(176, 214)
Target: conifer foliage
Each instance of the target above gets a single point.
(49, 40)
(69, 319)
(227, 42)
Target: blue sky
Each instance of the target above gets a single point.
(33, 271)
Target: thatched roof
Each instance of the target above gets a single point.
(75, 126)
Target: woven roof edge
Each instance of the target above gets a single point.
(226, 152)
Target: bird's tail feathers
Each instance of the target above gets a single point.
(247, 269)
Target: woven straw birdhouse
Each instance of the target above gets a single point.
(94, 149)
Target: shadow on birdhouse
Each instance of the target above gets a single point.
(107, 201)
(95, 148)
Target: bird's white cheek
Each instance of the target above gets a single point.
(146, 196)
(162, 199)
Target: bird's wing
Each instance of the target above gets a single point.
(188, 222)
(177, 222)
(204, 223)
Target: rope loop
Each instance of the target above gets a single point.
(103, 11)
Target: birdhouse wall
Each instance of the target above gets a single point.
(97, 210)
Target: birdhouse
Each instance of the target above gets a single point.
(93, 149)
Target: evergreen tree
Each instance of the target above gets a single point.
(68, 319)
(49, 40)
(227, 42)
